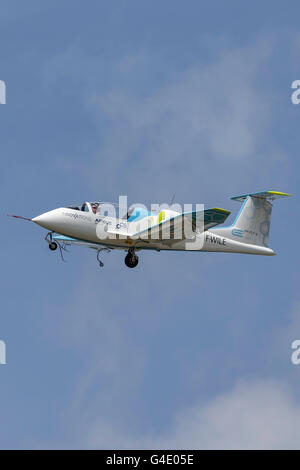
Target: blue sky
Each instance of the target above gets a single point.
(148, 99)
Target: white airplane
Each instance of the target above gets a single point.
(91, 225)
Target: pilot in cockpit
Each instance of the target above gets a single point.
(94, 206)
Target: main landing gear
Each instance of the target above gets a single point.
(131, 259)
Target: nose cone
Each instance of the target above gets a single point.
(47, 220)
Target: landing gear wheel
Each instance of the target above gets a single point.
(131, 261)
(53, 246)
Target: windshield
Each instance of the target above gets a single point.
(86, 207)
(109, 209)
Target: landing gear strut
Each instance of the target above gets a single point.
(54, 245)
(101, 264)
(131, 259)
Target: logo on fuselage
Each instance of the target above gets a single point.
(74, 215)
(237, 232)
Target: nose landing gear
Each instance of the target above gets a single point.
(53, 245)
(131, 259)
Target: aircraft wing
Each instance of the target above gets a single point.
(184, 225)
(213, 217)
(76, 241)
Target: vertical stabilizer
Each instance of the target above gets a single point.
(252, 224)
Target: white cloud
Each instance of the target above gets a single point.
(206, 123)
(258, 414)
(253, 414)
(198, 131)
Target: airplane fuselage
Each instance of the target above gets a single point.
(116, 233)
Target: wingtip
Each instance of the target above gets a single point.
(221, 210)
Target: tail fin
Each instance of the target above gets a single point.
(253, 221)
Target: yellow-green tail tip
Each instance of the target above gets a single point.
(278, 193)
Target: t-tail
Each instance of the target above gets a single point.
(252, 224)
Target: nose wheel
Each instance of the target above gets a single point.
(53, 245)
(131, 259)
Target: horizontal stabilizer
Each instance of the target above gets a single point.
(263, 195)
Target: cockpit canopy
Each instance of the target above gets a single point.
(112, 210)
(102, 208)
(94, 207)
